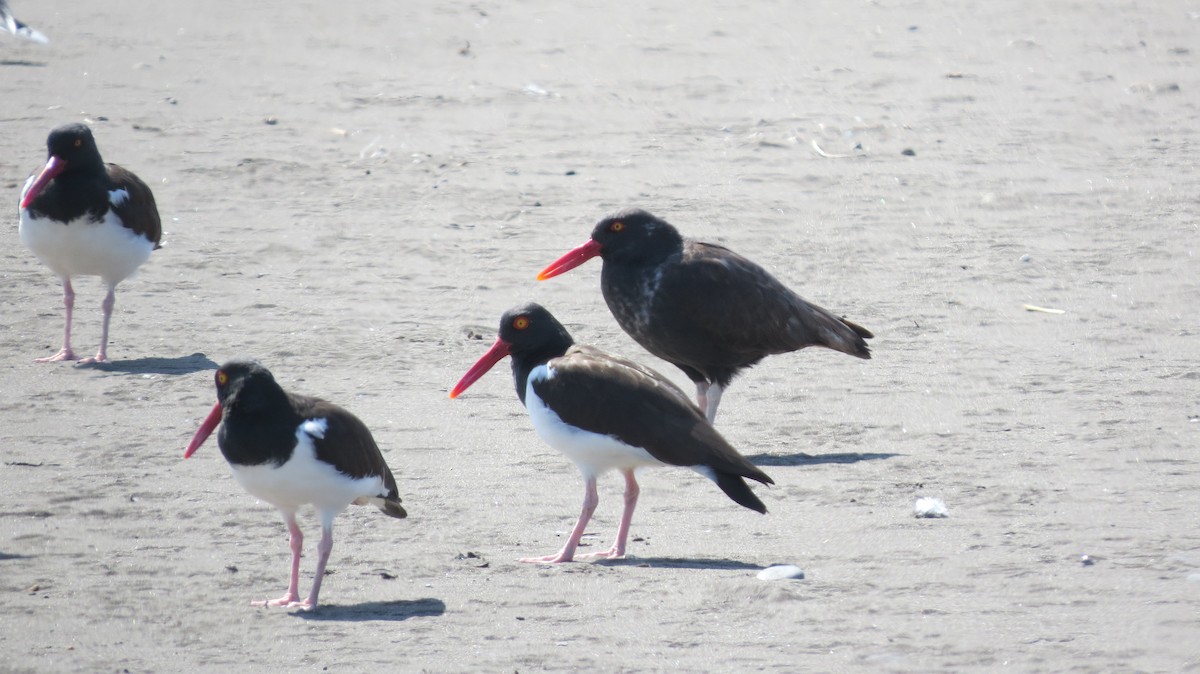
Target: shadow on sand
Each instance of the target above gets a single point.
(815, 459)
(398, 610)
(179, 365)
(681, 563)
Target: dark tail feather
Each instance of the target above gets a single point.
(849, 337)
(862, 332)
(735, 487)
(391, 507)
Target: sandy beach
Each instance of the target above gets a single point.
(354, 192)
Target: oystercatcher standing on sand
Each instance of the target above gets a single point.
(701, 307)
(606, 412)
(291, 450)
(82, 217)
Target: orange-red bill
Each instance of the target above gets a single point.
(210, 424)
(54, 166)
(494, 355)
(571, 260)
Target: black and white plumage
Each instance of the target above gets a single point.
(604, 413)
(292, 450)
(15, 26)
(700, 306)
(82, 217)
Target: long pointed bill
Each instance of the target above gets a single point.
(571, 260)
(494, 355)
(54, 166)
(210, 424)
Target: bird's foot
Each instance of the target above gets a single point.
(612, 553)
(64, 353)
(556, 558)
(98, 358)
(286, 601)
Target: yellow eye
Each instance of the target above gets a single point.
(222, 378)
(616, 226)
(521, 322)
(78, 142)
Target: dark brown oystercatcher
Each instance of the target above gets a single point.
(291, 450)
(606, 412)
(82, 217)
(701, 307)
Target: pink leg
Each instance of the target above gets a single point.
(296, 539)
(110, 300)
(567, 554)
(702, 396)
(323, 550)
(631, 497)
(714, 399)
(69, 302)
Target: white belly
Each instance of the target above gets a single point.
(304, 479)
(594, 453)
(84, 247)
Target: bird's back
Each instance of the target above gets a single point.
(714, 311)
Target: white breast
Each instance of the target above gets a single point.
(84, 247)
(303, 479)
(594, 453)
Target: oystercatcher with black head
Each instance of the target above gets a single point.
(607, 413)
(82, 217)
(699, 306)
(291, 450)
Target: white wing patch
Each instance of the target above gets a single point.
(118, 197)
(315, 428)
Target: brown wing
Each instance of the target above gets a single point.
(138, 212)
(613, 396)
(348, 445)
(737, 305)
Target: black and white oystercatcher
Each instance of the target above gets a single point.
(699, 306)
(82, 217)
(291, 450)
(606, 412)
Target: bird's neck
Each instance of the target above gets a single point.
(524, 363)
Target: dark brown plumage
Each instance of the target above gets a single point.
(700, 306)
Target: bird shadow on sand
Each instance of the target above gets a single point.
(816, 459)
(178, 365)
(398, 610)
(681, 563)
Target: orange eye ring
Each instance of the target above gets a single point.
(521, 322)
(222, 378)
(616, 226)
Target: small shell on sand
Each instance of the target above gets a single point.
(930, 507)
(781, 572)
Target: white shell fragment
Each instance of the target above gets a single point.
(930, 507)
(781, 572)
